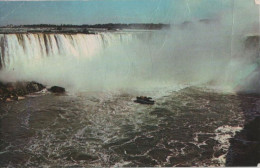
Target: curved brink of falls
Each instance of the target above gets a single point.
(127, 59)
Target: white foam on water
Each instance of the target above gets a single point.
(223, 134)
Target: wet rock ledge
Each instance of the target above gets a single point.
(17, 90)
(14, 91)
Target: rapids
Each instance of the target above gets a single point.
(189, 127)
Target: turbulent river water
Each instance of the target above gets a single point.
(188, 127)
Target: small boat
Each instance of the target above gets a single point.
(144, 100)
(143, 97)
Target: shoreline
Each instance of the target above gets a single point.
(74, 29)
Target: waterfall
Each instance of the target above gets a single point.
(126, 59)
(102, 60)
(33, 47)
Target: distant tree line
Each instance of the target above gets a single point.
(106, 26)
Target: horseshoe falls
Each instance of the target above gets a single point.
(117, 60)
(76, 58)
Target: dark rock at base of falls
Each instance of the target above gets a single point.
(17, 90)
(57, 89)
(34, 87)
(245, 146)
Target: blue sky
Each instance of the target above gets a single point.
(110, 11)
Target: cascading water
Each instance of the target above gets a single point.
(122, 59)
(125, 59)
(31, 47)
(29, 55)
